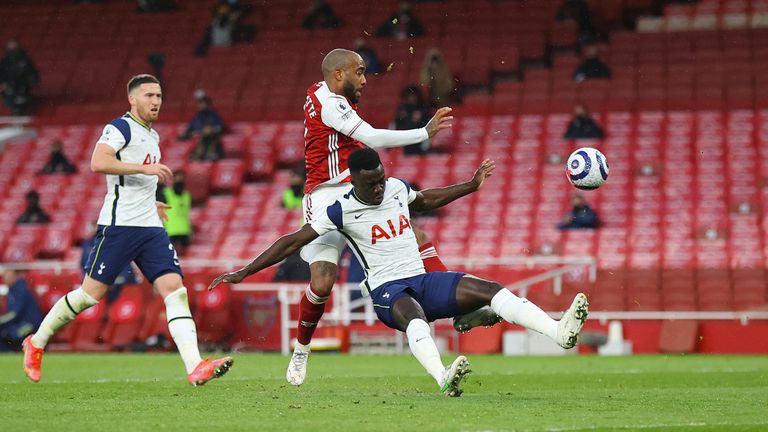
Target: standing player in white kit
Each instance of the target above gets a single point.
(130, 229)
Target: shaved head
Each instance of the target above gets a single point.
(344, 72)
(338, 59)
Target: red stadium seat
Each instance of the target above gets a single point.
(213, 315)
(89, 325)
(124, 319)
(227, 176)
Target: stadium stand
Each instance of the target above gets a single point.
(685, 114)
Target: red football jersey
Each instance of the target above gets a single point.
(329, 122)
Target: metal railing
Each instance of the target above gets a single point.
(346, 310)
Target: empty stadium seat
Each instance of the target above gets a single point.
(124, 319)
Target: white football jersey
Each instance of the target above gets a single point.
(130, 199)
(381, 235)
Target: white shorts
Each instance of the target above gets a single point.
(327, 247)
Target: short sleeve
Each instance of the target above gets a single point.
(112, 137)
(411, 195)
(339, 115)
(329, 220)
(409, 190)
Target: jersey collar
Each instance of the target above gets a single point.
(138, 120)
(354, 195)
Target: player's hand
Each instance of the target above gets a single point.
(231, 278)
(483, 172)
(441, 120)
(163, 173)
(161, 208)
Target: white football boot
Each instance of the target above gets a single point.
(573, 319)
(453, 375)
(297, 368)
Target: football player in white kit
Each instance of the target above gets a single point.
(130, 229)
(374, 218)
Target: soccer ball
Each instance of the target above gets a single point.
(587, 168)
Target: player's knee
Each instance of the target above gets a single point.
(491, 288)
(168, 283)
(97, 290)
(323, 276)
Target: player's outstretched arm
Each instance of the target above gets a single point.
(385, 138)
(104, 161)
(280, 250)
(429, 199)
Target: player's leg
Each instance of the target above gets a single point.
(182, 327)
(112, 251)
(159, 262)
(62, 313)
(429, 256)
(472, 292)
(483, 316)
(67, 308)
(322, 255)
(396, 307)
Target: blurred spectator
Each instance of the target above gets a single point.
(127, 276)
(22, 315)
(153, 6)
(578, 11)
(413, 113)
(222, 26)
(293, 196)
(209, 147)
(320, 15)
(221, 30)
(179, 224)
(18, 75)
(582, 126)
(402, 24)
(207, 126)
(33, 214)
(369, 56)
(206, 116)
(592, 67)
(58, 162)
(581, 215)
(437, 77)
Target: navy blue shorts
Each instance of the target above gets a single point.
(114, 247)
(435, 292)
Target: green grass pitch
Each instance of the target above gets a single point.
(121, 392)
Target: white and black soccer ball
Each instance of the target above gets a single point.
(587, 168)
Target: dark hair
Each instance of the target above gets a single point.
(138, 80)
(363, 159)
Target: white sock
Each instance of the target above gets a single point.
(424, 349)
(61, 314)
(520, 311)
(182, 328)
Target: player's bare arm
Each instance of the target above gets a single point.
(280, 250)
(104, 161)
(429, 199)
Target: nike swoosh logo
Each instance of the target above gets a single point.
(358, 216)
(420, 339)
